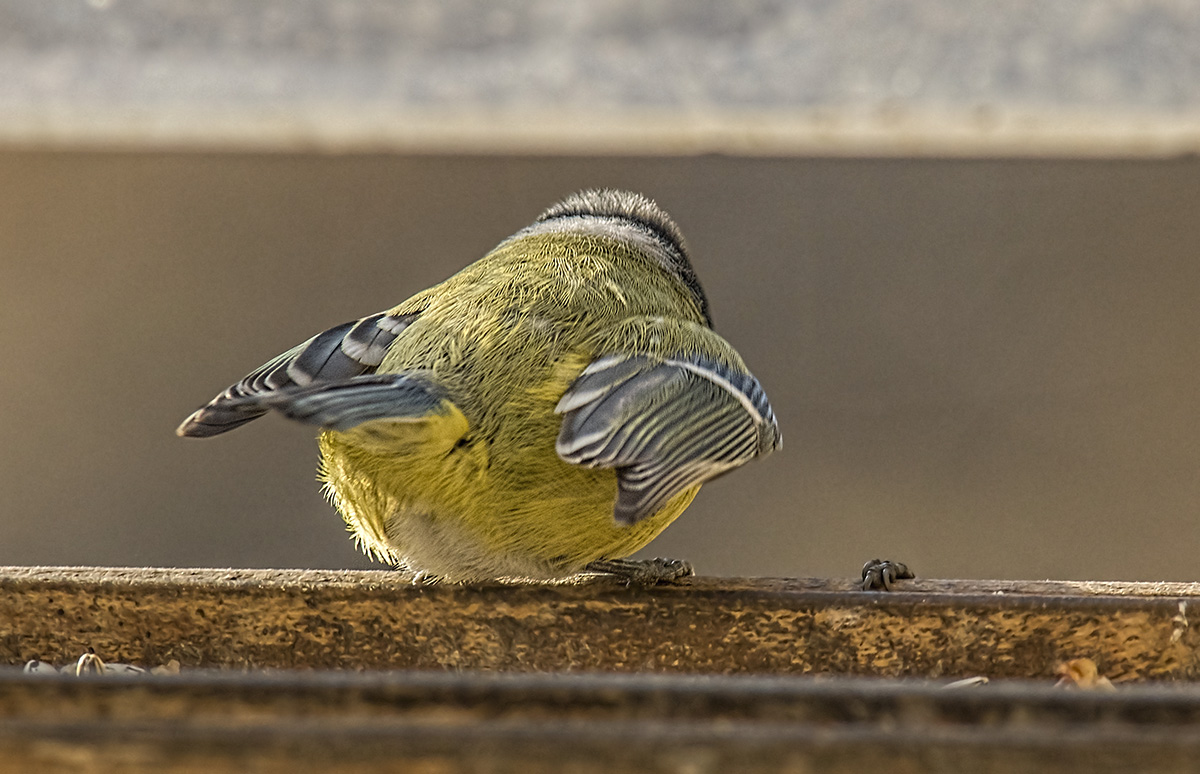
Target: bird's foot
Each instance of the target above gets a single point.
(879, 575)
(643, 572)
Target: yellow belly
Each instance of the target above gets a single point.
(447, 514)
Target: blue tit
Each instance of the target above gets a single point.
(548, 410)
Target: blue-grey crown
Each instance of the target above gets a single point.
(642, 213)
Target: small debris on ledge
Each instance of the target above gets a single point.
(91, 664)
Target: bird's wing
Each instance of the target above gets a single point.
(336, 357)
(664, 424)
(347, 403)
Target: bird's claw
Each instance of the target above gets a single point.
(643, 572)
(880, 574)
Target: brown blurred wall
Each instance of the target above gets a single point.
(984, 368)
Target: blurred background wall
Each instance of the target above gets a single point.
(958, 242)
(985, 368)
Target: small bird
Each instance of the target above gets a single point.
(547, 411)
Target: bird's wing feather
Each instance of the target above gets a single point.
(664, 424)
(334, 356)
(348, 403)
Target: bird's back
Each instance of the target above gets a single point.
(532, 311)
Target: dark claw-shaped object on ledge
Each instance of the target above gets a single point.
(880, 574)
(643, 572)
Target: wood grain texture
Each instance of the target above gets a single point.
(377, 620)
(348, 672)
(473, 722)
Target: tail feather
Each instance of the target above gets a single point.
(333, 357)
(338, 405)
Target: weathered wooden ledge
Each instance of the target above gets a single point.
(472, 722)
(377, 620)
(332, 672)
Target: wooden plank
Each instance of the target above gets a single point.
(754, 710)
(377, 620)
(348, 722)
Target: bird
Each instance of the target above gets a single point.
(544, 413)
